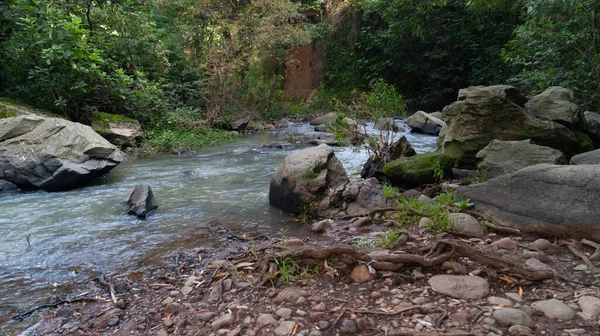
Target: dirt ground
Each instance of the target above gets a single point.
(246, 286)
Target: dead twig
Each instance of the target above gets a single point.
(378, 312)
(596, 255)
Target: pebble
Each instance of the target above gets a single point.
(531, 254)
(285, 328)
(514, 296)
(425, 222)
(520, 330)
(265, 319)
(167, 301)
(348, 327)
(290, 294)
(460, 286)
(417, 274)
(590, 305)
(536, 265)
(235, 332)
(172, 308)
(205, 317)
(113, 321)
(227, 285)
(498, 301)
(424, 199)
(301, 300)
(323, 325)
(322, 225)
(301, 313)
(285, 313)
(167, 322)
(580, 267)
(361, 274)
(319, 307)
(554, 309)
(505, 243)
(541, 244)
(223, 322)
(577, 331)
(512, 316)
(465, 223)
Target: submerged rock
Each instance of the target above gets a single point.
(304, 178)
(141, 201)
(546, 199)
(53, 154)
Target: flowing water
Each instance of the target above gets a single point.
(77, 234)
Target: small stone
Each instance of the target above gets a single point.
(505, 243)
(323, 325)
(289, 294)
(577, 331)
(531, 254)
(512, 316)
(285, 328)
(265, 319)
(514, 296)
(460, 286)
(285, 313)
(185, 290)
(319, 308)
(361, 274)
(121, 304)
(223, 322)
(205, 317)
(241, 284)
(361, 221)
(424, 199)
(227, 285)
(419, 300)
(467, 224)
(172, 308)
(425, 223)
(417, 274)
(322, 225)
(376, 295)
(419, 327)
(181, 323)
(301, 313)
(498, 301)
(167, 301)
(348, 327)
(215, 293)
(590, 305)
(520, 330)
(167, 322)
(235, 332)
(541, 244)
(536, 265)
(301, 300)
(554, 309)
(174, 293)
(113, 321)
(580, 267)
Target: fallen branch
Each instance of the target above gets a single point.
(582, 256)
(377, 312)
(596, 255)
(110, 286)
(23, 316)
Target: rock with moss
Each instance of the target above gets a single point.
(420, 169)
(324, 119)
(119, 130)
(498, 112)
(304, 178)
(374, 165)
(53, 154)
(505, 157)
(11, 108)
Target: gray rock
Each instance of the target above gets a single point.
(542, 244)
(520, 330)
(239, 125)
(511, 316)
(497, 301)
(354, 198)
(348, 327)
(587, 158)
(514, 296)
(283, 312)
(536, 265)
(124, 133)
(545, 199)
(324, 139)
(422, 122)
(304, 177)
(324, 325)
(497, 112)
(53, 154)
(266, 319)
(465, 223)
(437, 114)
(590, 305)
(324, 119)
(321, 225)
(290, 294)
(554, 309)
(113, 321)
(285, 328)
(424, 199)
(593, 121)
(554, 104)
(141, 201)
(425, 222)
(460, 286)
(7, 186)
(505, 157)
(223, 322)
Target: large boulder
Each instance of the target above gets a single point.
(420, 169)
(592, 123)
(497, 112)
(422, 122)
(53, 154)
(353, 198)
(118, 130)
(304, 178)
(505, 157)
(587, 158)
(7, 186)
(546, 199)
(374, 166)
(324, 119)
(141, 202)
(554, 104)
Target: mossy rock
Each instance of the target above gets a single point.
(101, 120)
(419, 169)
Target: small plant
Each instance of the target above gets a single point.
(389, 191)
(440, 223)
(307, 213)
(463, 204)
(283, 232)
(288, 270)
(363, 244)
(438, 172)
(389, 239)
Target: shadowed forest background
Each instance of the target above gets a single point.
(182, 67)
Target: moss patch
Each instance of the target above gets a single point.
(419, 169)
(101, 120)
(11, 108)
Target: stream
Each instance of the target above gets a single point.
(79, 234)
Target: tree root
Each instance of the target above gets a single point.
(23, 316)
(441, 251)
